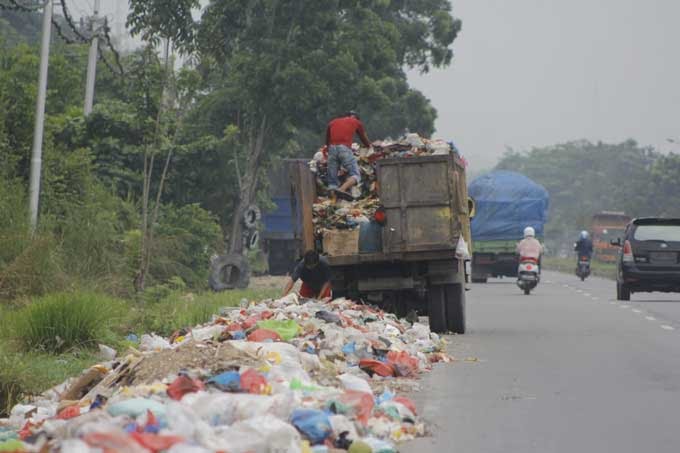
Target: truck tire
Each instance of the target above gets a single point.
(251, 216)
(622, 292)
(455, 307)
(229, 272)
(436, 304)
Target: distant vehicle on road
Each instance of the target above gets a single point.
(607, 226)
(649, 257)
(505, 203)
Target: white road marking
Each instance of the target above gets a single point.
(650, 318)
(579, 290)
(666, 327)
(565, 285)
(624, 306)
(586, 294)
(635, 310)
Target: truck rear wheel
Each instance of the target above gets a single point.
(436, 304)
(455, 307)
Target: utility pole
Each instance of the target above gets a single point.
(36, 159)
(92, 61)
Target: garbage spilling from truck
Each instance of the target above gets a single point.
(341, 214)
(278, 375)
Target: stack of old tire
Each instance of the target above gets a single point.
(231, 270)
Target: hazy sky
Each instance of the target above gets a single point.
(538, 72)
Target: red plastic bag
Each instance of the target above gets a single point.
(234, 327)
(249, 322)
(361, 403)
(156, 442)
(406, 402)
(264, 335)
(372, 367)
(113, 442)
(253, 382)
(404, 364)
(69, 412)
(183, 385)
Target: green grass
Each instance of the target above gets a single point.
(176, 310)
(568, 266)
(61, 322)
(32, 360)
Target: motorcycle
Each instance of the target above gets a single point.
(528, 274)
(583, 267)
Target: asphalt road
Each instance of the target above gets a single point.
(566, 369)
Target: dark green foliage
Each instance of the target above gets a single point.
(584, 178)
(64, 321)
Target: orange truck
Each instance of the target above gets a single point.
(607, 226)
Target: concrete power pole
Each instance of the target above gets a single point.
(36, 159)
(92, 61)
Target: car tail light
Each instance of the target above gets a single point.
(628, 252)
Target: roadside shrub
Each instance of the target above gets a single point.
(64, 321)
(12, 384)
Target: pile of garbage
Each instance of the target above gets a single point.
(340, 214)
(279, 375)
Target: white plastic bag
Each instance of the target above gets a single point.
(228, 408)
(153, 343)
(351, 382)
(462, 251)
(265, 434)
(207, 333)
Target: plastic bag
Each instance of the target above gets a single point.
(313, 424)
(462, 250)
(372, 367)
(263, 434)
(253, 382)
(183, 385)
(229, 381)
(361, 404)
(135, 407)
(351, 382)
(156, 442)
(228, 408)
(403, 363)
(153, 343)
(262, 335)
(207, 333)
(287, 329)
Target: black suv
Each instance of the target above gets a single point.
(649, 259)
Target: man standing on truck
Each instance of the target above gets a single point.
(315, 273)
(339, 136)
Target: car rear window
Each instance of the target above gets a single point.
(669, 233)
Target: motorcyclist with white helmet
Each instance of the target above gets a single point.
(584, 245)
(530, 247)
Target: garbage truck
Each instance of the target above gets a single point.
(408, 261)
(506, 202)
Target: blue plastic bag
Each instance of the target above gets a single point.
(229, 381)
(313, 424)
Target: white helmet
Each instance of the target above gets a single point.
(529, 232)
(584, 234)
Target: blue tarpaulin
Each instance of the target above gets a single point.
(507, 202)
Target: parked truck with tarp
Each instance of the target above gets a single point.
(408, 260)
(506, 202)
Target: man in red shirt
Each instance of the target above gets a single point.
(339, 136)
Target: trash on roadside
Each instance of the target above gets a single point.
(306, 377)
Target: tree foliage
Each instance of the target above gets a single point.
(584, 178)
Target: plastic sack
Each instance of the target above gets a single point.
(106, 352)
(351, 382)
(156, 442)
(372, 367)
(207, 333)
(135, 407)
(262, 335)
(69, 412)
(360, 404)
(407, 403)
(287, 329)
(73, 446)
(341, 424)
(462, 250)
(264, 434)
(229, 381)
(183, 385)
(153, 343)
(404, 364)
(313, 424)
(113, 441)
(228, 408)
(253, 382)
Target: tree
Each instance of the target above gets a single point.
(282, 68)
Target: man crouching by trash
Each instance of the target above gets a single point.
(315, 273)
